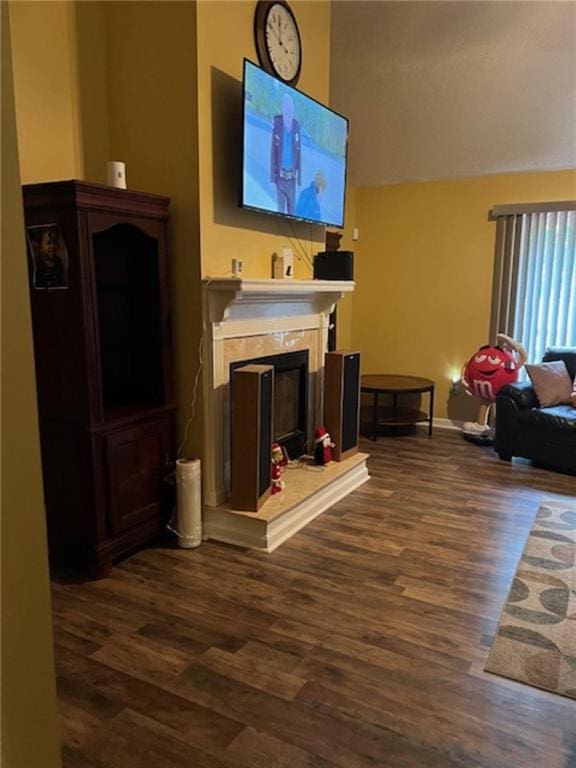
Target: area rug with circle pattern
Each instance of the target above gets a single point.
(536, 638)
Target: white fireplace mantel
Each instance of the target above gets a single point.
(229, 300)
(250, 315)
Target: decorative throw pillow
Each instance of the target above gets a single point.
(551, 382)
(573, 395)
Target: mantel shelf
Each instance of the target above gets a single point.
(230, 298)
(270, 285)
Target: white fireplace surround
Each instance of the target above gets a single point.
(248, 318)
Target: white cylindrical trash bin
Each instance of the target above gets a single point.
(188, 503)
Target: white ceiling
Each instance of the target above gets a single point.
(455, 89)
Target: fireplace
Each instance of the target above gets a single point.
(253, 320)
(290, 398)
(284, 323)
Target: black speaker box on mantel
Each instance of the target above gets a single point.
(252, 434)
(334, 265)
(342, 401)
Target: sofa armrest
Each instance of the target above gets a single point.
(522, 394)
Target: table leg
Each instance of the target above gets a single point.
(375, 423)
(431, 411)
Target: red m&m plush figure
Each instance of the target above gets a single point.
(488, 371)
(484, 375)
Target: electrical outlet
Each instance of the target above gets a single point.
(355, 234)
(237, 267)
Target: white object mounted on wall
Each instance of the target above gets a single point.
(116, 174)
(188, 503)
(283, 266)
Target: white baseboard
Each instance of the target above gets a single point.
(438, 423)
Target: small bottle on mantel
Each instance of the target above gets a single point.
(283, 266)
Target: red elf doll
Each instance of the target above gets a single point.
(279, 461)
(323, 449)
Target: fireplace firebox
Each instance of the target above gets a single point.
(290, 398)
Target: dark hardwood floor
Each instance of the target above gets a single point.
(360, 642)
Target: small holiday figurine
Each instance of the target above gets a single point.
(279, 461)
(323, 449)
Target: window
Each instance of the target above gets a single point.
(534, 297)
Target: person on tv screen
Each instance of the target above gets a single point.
(308, 205)
(285, 156)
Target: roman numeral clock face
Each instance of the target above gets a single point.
(278, 40)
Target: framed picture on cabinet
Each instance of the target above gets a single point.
(49, 256)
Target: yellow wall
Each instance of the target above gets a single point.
(93, 79)
(424, 271)
(120, 85)
(129, 83)
(46, 90)
(152, 119)
(225, 37)
(29, 735)
(346, 305)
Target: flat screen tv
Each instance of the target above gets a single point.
(294, 154)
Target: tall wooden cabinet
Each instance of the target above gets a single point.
(102, 341)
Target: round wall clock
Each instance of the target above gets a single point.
(277, 40)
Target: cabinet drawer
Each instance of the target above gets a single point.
(137, 458)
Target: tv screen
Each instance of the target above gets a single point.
(294, 161)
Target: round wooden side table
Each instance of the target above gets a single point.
(396, 415)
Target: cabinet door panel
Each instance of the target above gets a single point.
(137, 459)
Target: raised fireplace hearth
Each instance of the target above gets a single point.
(283, 322)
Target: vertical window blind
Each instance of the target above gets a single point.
(534, 292)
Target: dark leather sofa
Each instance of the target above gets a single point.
(523, 428)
